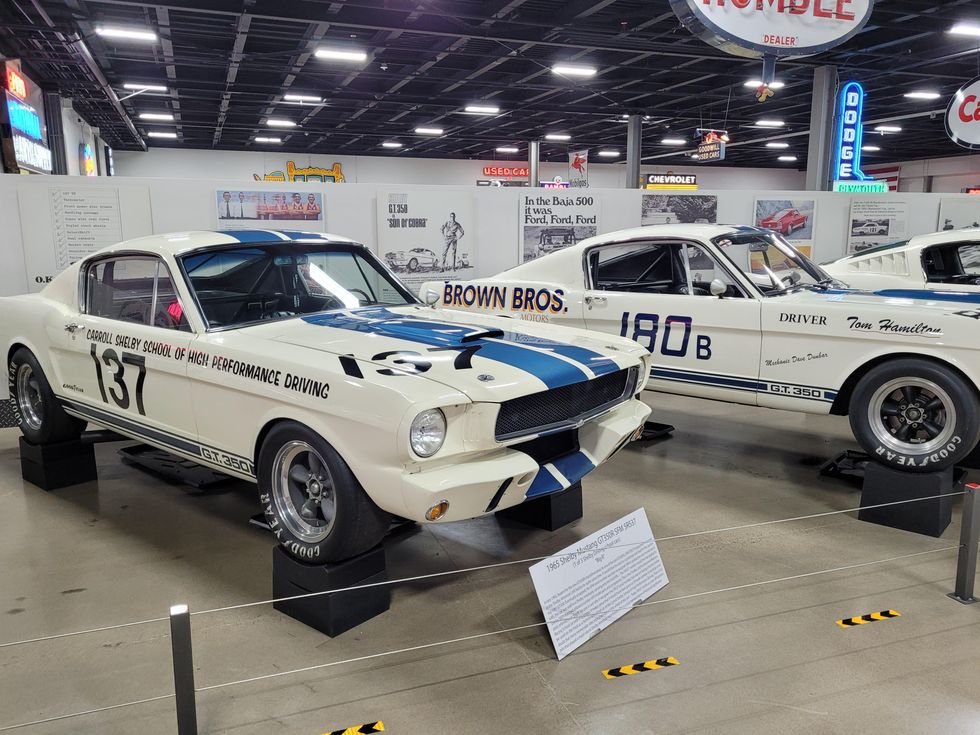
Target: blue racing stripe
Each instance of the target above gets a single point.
(298, 235)
(252, 235)
(599, 364)
(746, 384)
(544, 483)
(902, 293)
(574, 466)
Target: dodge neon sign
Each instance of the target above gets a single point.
(963, 116)
(781, 28)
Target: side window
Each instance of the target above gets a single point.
(134, 289)
(637, 268)
(704, 269)
(970, 259)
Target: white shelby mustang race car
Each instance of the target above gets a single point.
(942, 261)
(738, 314)
(300, 361)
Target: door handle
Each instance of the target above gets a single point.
(589, 300)
(72, 327)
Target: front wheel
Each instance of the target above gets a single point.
(41, 418)
(312, 501)
(413, 264)
(915, 415)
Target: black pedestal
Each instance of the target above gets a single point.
(335, 612)
(549, 512)
(652, 430)
(885, 485)
(54, 466)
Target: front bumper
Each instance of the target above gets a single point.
(507, 477)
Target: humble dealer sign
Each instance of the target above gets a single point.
(773, 28)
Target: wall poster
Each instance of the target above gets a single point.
(550, 221)
(269, 208)
(668, 209)
(791, 218)
(876, 221)
(426, 235)
(955, 214)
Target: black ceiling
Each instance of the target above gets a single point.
(227, 64)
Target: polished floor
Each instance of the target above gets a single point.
(764, 659)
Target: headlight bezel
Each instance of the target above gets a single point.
(418, 449)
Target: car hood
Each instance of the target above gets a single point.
(487, 358)
(893, 298)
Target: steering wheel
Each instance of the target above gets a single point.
(792, 279)
(359, 293)
(684, 290)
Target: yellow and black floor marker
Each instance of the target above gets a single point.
(369, 727)
(869, 618)
(660, 663)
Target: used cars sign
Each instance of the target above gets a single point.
(785, 28)
(963, 115)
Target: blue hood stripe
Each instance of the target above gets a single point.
(902, 293)
(252, 235)
(508, 350)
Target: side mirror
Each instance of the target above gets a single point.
(717, 287)
(431, 297)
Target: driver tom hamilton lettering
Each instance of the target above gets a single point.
(890, 326)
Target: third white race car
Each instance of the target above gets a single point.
(738, 314)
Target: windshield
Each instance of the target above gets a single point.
(771, 263)
(235, 286)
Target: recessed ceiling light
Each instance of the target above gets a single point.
(609, 154)
(965, 29)
(887, 129)
(922, 95)
(126, 34)
(391, 144)
(428, 131)
(482, 109)
(263, 139)
(870, 148)
(145, 87)
(160, 134)
(340, 54)
(156, 116)
(302, 98)
(777, 145)
(755, 83)
(278, 122)
(787, 158)
(568, 70)
(507, 149)
(557, 136)
(673, 141)
(769, 123)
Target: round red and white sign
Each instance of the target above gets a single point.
(963, 115)
(782, 28)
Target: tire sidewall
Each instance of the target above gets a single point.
(967, 428)
(49, 403)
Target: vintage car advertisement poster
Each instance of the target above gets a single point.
(669, 209)
(876, 221)
(425, 235)
(237, 208)
(955, 214)
(791, 218)
(553, 220)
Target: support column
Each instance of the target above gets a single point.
(533, 159)
(634, 135)
(823, 111)
(56, 133)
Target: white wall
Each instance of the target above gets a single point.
(951, 174)
(245, 165)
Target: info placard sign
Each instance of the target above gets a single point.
(590, 585)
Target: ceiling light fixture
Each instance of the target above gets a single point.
(302, 98)
(870, 148)
(126, 34)
(567, 70)
(756, 83)
(965, 29)
(481, 109)
(428, 131)
(609, 154)
(507, 149)
(557, 136)
(166, 116)
(278, 122)
(922, 95)
(777, 145)
(145, 87)
(391, 144)
(787, 158)
(340, 55)
(263, 139)
(887, 129)
(161, 134)
(673, 141)
(769, 123)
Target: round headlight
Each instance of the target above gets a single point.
(428, 432)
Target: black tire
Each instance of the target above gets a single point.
(39, 414)
(356, 523)
(413, 264)
(915, 415)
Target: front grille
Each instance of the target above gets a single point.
(552, 410)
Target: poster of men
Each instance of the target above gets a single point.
(242, 208)
(550, 221)
(668, 209)
(876, 221)
(427, 235)
(955, 214)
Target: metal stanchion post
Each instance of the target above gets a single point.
(966, 564)
(183, 655)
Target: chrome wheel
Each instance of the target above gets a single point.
(912, 415)
(303, 492)
(29, 400)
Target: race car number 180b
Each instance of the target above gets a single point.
(646, 329)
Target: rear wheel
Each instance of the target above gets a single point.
(39, 414)
(915, 415)
(312, 501)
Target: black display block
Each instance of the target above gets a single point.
(333, 613)
(54, 466)
(549, 512)
(929, 517)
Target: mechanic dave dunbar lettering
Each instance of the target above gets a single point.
(890, 326)
(776, 361)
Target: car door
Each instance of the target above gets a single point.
(658, 292)
(122, 357)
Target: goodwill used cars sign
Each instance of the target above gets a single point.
(786, 28)
(963, 115)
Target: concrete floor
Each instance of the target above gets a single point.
(762, 660)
